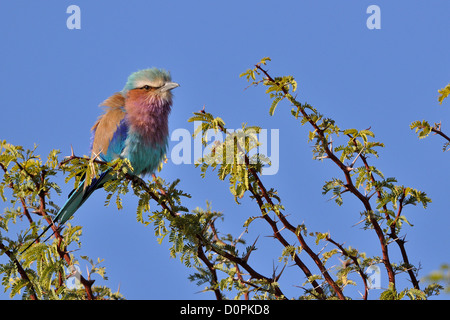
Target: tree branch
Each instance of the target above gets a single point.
(277, 235)
(355, 261)
(438, 131)
(300, 238)
(393, 234)
(21, 271)
(351, 187)
(202, 256)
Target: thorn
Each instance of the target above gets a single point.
(88, 273)
(359, 154)
(345, 263)
(280, 230)
(72, 154)
(94, 155)
(368, 197)
(279, 275)
(274, 270)
(359, 222)
(245, 258)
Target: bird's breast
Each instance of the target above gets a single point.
(148, 131)
(144, 155)
(149, 118)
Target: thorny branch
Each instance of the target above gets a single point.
(300, 238)
(202, 256)
(355, 261)
(159, 198)
(349, 183)
(21, 271)
(393, 234)
(41, 210)
(286, 224)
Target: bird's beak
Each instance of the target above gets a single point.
(169, 86)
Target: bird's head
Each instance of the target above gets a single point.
(150, 84)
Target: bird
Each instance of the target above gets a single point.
(133, 126)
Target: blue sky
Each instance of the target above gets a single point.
(52, 80)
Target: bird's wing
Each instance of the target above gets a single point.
(107, 135)
(110, 130)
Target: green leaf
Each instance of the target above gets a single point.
(264, 60)
(274, 104)
(423, 128)
(444, 93)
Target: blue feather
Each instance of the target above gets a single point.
(117, 143)
(143, 157)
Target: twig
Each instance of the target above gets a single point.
(21, 271)
(71, 157)
(202, 256)
(286, 224)
(393, 234)
(277, 235)
(346, 170)
(438, 131)
(291, 228)
(236, 260)
(355, 261)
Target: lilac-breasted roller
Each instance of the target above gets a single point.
(134, 126)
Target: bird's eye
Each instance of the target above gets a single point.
(146, 87)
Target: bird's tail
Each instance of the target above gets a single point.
(79, 195)
(76, 198)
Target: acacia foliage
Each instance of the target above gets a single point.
(220, 262)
